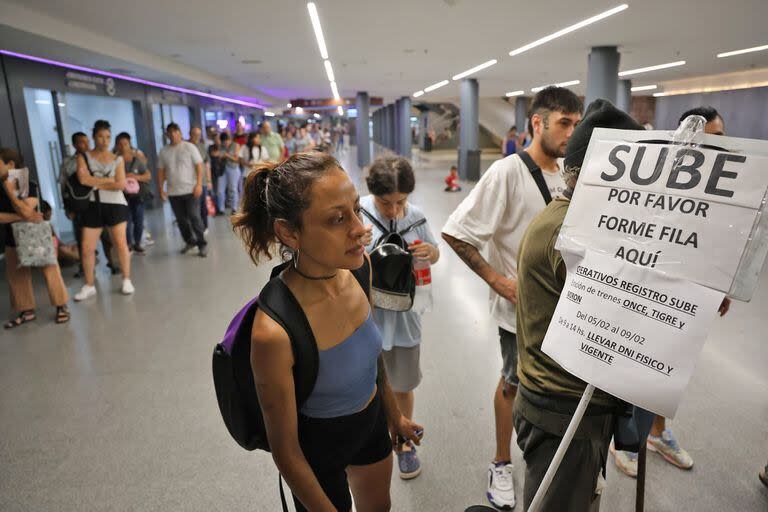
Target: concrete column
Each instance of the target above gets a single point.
(602, 74)
(385, 126)
(521, 113)
(391, 126)
(361, 132)
(405, 127)
(377, 127)
(624, 95)
(398, 127)
(469, 131)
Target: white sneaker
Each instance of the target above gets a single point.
(667, 446)
(86, 292)
(127, 288)
(501, 487)
(625, 461)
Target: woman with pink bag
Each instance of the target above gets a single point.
(137, 180)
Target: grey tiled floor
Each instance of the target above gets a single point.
(116, 411)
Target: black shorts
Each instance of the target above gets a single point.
(508, 341)
(332, 444)
(99, 215)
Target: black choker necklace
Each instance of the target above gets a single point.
(305, 276)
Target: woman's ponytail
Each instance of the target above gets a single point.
(253, 222)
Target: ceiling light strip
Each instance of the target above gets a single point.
(716, 88)
(644, 88)
(740, 52)
(335, 91)
(436, 86)
(131, 79)
(652, 68)
(512, 94)
(315, 18)
(475, 69)
(329, 70)
(418, 93)
(569, 29)
(561, 84)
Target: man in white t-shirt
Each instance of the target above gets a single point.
(181, 165)
(494, 217)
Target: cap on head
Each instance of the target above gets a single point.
(600, 114)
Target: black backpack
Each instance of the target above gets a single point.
(76, 196)
(394, 282)
(232, 373)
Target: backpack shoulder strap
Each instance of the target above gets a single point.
(277, 301)
(538, 177)
(413, 226)
(375, 221)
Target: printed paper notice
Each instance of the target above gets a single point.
(630, 331)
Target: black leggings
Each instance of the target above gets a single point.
(332, 444)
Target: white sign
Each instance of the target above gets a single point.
(687, 211)
(632, 332)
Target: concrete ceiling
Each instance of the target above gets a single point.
(396, 47)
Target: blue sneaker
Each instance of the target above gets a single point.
(408, 463)
(667, 446)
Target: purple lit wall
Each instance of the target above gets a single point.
(133, 79)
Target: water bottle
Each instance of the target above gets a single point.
(422, 300)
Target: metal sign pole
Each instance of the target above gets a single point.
(560, 453)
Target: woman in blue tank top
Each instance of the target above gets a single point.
(339, 438)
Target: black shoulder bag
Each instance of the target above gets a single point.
(537, 175)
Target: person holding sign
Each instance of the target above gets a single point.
(495, 214)
(548, 394)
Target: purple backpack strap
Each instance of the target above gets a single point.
(237, 322)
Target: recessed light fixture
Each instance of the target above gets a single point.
(312, 8)
(745, 50)
(418, 93)
(514, 93)
(644, 88)
(652, 68)
(475, 69)
(329, 70)
(436, 86)
(335, 91)
(561, 84)
(569, 29)
(288, 105)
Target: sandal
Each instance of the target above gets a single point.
(62, 314)
(22, 318)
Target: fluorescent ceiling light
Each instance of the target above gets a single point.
(652, 68)
(475, 69)
(62, 105)
(745, 50)
(340, 110)
(436, 86)
(335, 91)
(269, 114)
(715, 88)
(418, 93)
(644, 88)
(515, 93)
(312, 8)
(561, 84)
(329, 71)
(569, 29)
(42, 102)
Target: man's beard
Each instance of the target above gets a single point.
(550, 150)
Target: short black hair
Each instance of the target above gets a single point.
(390, 174)
(708, 113)
(554, 99)
(101, 125)
(76, 136)
(512, 128)
(224, 136)
(172, 127)
(123, 135)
